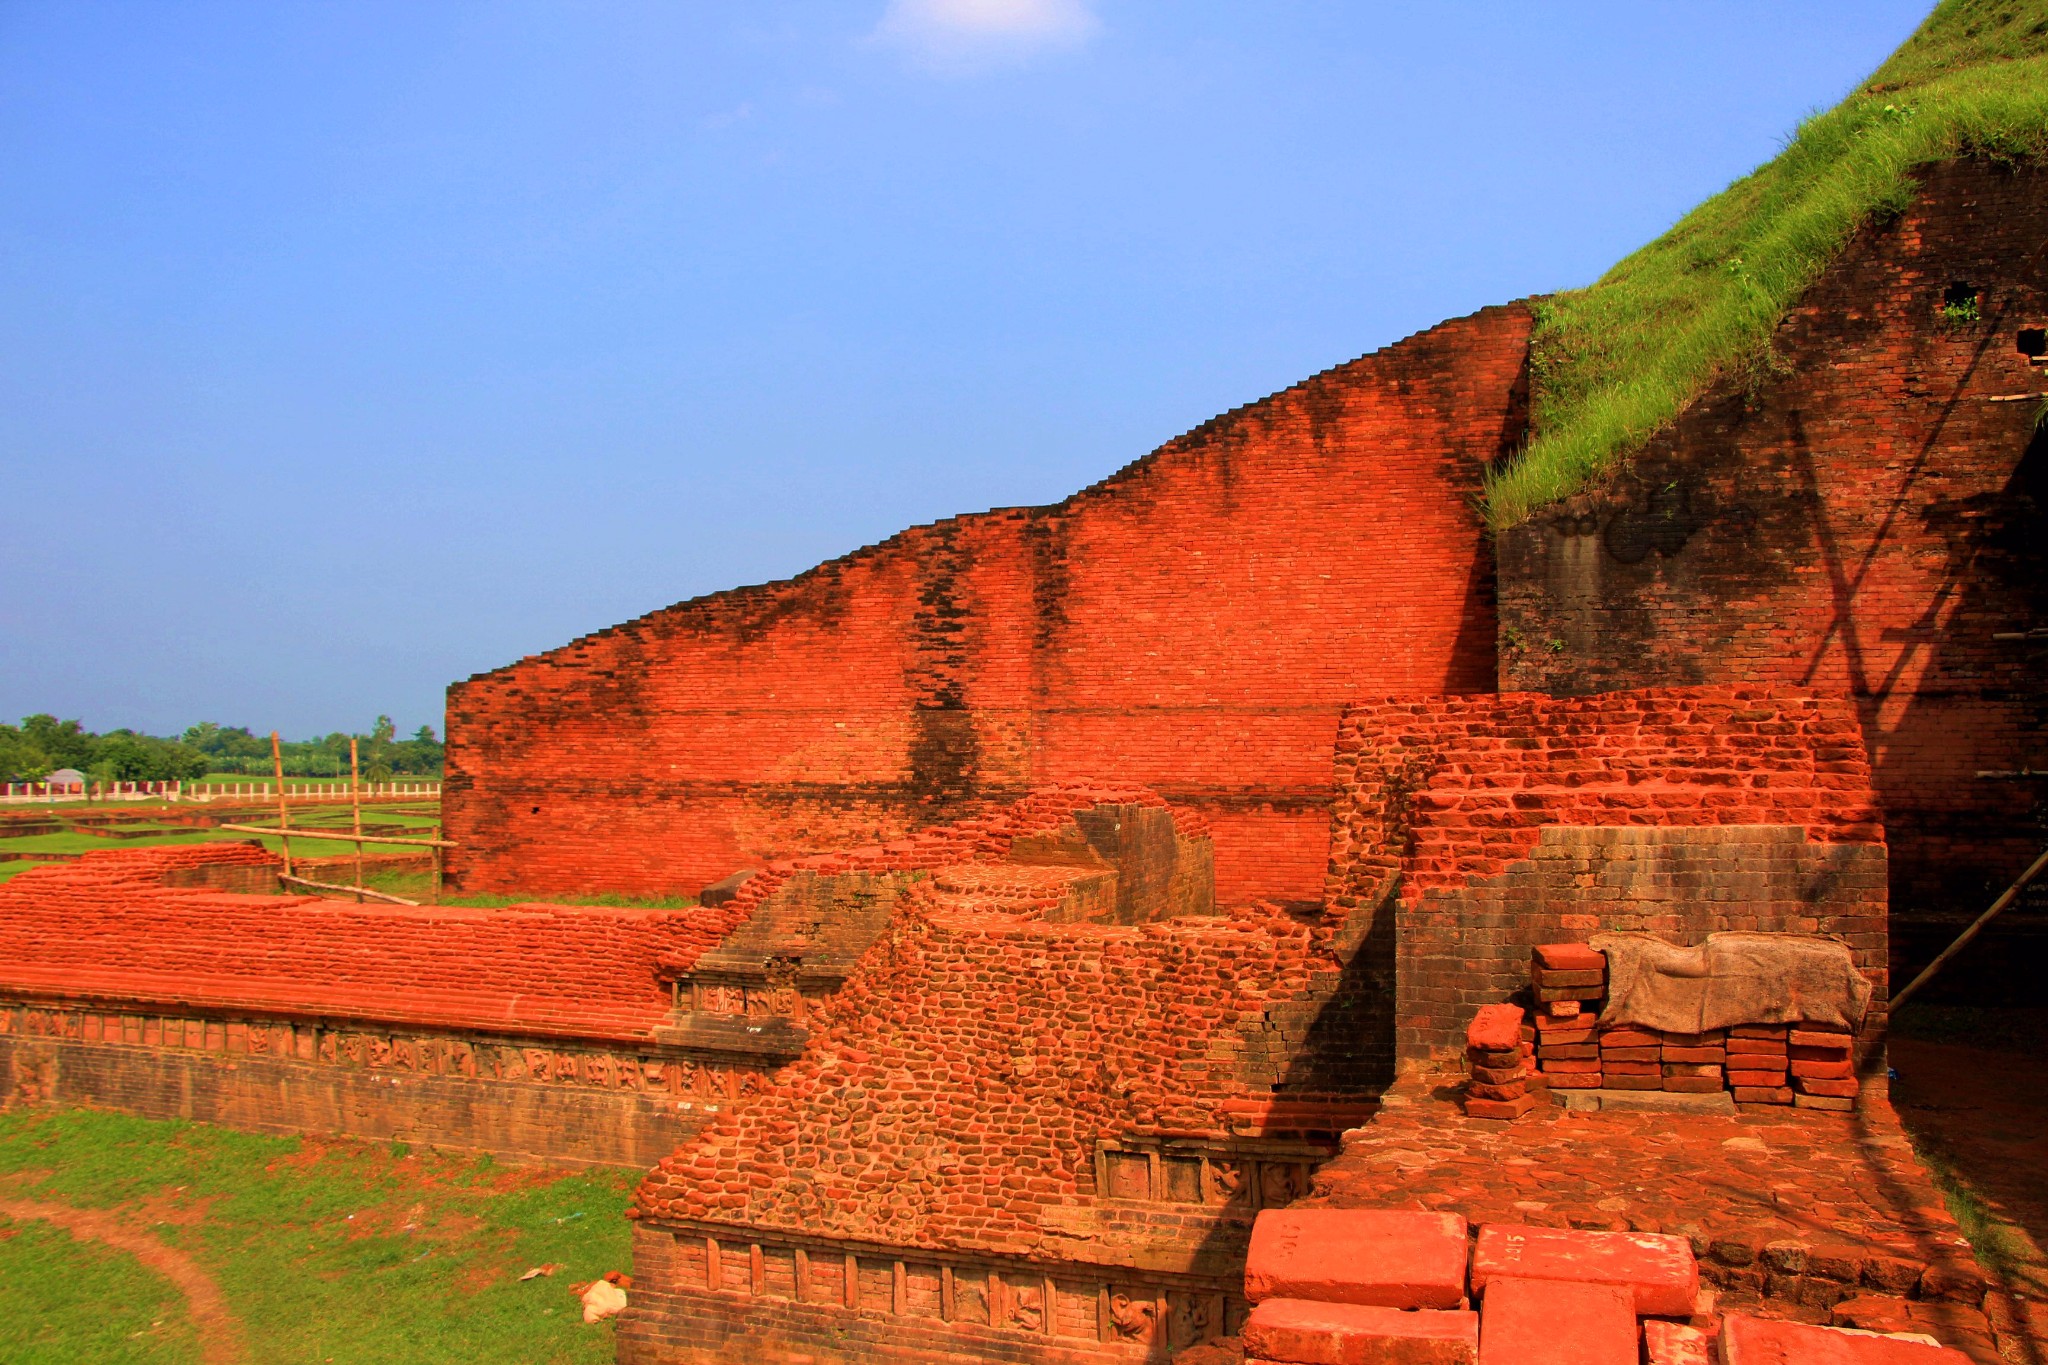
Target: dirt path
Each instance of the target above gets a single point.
(220, 1341)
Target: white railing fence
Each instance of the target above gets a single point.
(18, 792)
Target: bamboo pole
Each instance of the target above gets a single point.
(2011, 894)
(284, 819)
(360, 892)
(355, 801)
(315, 832)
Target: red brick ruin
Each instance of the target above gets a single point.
(1081, 883)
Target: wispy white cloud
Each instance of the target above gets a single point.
(959, 36)
(739, 113)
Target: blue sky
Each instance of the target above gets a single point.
(348, 349)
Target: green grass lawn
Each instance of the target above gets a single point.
(326, 1250)
(424, 819)
(64, 1300)
(302, 846)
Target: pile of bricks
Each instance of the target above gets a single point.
(1569, 981)
(1804, 1064)
(1634, 1058)
(1823, 1076)
(1497, 1051)
(1757, 1058)
(1356, 1286)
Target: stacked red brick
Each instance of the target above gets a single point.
(1823, 1074)
(1757, 1059)
(1575, 1052)
(1807, 1064)
(1569, 981)
(1498, 1053)
(1692, 1063)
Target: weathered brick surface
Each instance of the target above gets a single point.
(1855, 517)
(1193, 623)
(993, 1054)
(1791, 1210)
(106, 928)
(126, 980)
(1031, 1098)
(581, 1107)
(711, 1297)
(1485, 826)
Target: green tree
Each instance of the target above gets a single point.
(422, 753)
(62, 743)
(378, 753)
(125, 756)
(231, 749)
(20, 761)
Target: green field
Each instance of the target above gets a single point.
(322, 1250)
(414, 817)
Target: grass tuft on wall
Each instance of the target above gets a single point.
(1615, 362)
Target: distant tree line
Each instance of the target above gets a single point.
(41, 745)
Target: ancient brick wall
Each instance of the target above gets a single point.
(1031, 1136)
(1481, 826)
(105, 928)
(1193, 624)
(709, 1296)
(525, 1098)
(528, 1032)
(1858, 515)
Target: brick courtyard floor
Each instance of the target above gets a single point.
(1793, 1213)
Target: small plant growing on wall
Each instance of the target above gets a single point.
(1959, 306)
(1554, 645)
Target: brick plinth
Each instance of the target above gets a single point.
(576, 1120)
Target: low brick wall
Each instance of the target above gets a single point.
(804, 1301)
(577, 1106)
(131, 980)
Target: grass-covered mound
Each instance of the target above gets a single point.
(1614, 362)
